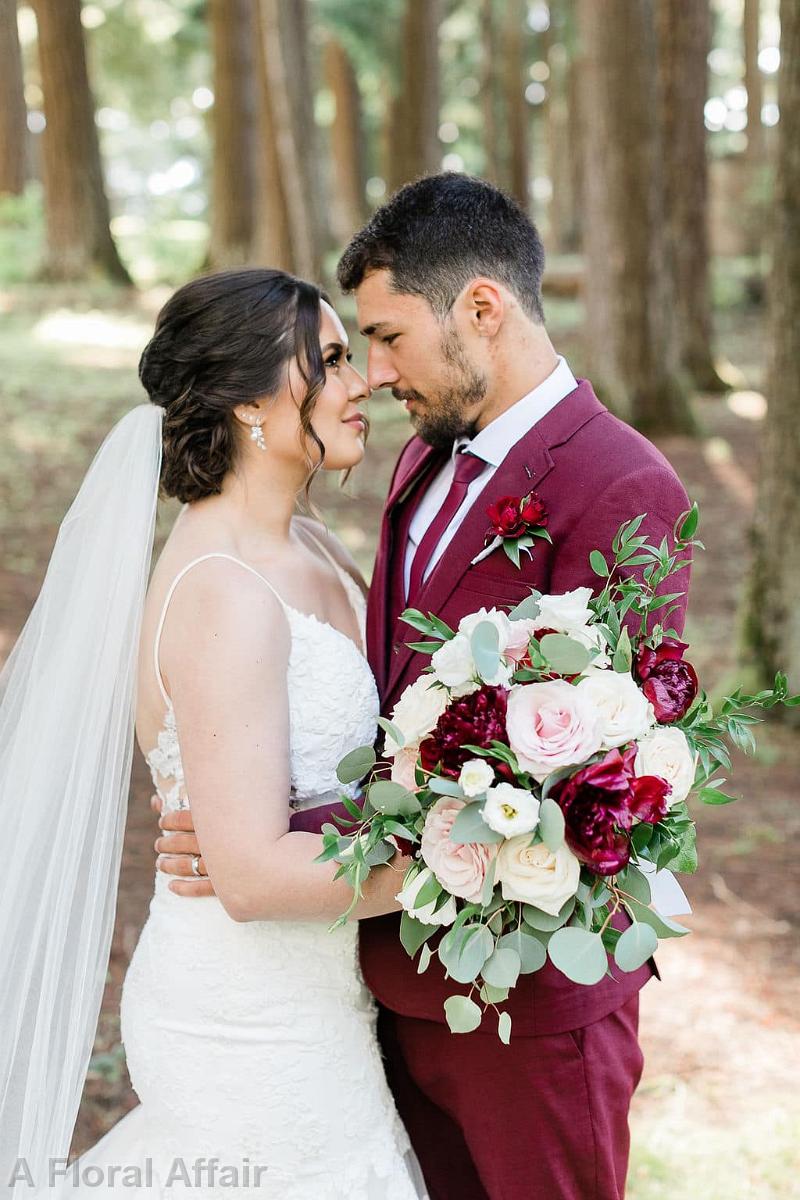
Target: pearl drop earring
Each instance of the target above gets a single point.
(257, 435)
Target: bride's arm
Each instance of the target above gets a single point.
(225, 654)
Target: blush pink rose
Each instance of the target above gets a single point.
(461, 869)
(521, 633)
(551, 725)
(403, 768)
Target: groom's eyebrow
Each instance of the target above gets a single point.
(376, 327)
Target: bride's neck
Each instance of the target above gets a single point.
(257, 503)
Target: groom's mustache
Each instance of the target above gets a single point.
(407, 395)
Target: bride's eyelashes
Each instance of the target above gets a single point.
(335, 359)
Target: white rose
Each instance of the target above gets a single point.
(417, 711)
(566, 612)
(666, 753)
(536, 875)
(454, 666)
(476, 776)
(407, 897)
(624, 713)
(510, 811)
(495, 617)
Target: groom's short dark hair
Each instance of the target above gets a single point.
(437, 233)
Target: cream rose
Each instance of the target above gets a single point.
(407, 897)
(476, 776)
(417, 711)
(536, 875)
(565, 612)
(494, 616)
(666, 753)
(624, 712)
(510, 810)
(404, 768)
(459, 867)
(521, 633)
(454, 666)
(551, 725)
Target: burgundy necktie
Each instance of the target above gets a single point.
(467, 467)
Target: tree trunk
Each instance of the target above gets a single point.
(772, 627)
(684, 40)
(488, 98)
(348, 175)
(515, 105)
(752, 81)
(79, 240)
(415, 113)
(233, 199)
(272, 244)
(288, 79)
(13, 114)
(631, 356)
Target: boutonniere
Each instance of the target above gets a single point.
(516, 523)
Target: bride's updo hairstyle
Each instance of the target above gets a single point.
(221, 341)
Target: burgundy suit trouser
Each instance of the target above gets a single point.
(545, 1118)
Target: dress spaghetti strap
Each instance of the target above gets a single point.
(184, 571)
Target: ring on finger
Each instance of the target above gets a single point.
(196, 866)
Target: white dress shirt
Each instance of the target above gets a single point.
(492, 444)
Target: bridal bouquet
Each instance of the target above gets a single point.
(539, 771)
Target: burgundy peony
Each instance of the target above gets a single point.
(476, 720)
(600, 803)
(512, 516)
(668, 681)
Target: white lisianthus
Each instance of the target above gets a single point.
(510, 810)
(569, 613)
(536, 875)
(417, 712)
(476, 776)
(565, 613)
(494, 616)
(407, 897)
(666, 753)
(454, 666)
(623, 711)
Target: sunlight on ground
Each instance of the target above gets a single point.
(751, 406)
(91, 329)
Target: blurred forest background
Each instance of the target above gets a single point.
(656, 143)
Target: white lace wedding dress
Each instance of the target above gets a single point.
(254, 1043)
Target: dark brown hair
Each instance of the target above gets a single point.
(221, 341)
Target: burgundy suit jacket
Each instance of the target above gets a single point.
(593, 472)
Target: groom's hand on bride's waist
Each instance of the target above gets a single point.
(176, 847)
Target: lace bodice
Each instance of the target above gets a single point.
(333, 702)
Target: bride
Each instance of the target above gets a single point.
(249, 1034)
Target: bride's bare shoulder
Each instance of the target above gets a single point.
(334, 545)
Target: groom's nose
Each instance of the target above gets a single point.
(381, 372)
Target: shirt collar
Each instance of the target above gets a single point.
(493, 443)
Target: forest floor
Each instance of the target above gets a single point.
(717, 1114)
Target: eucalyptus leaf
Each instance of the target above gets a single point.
(528, 609)
(502, 968)
(551, 824)
(356, 764)
(544, 921)
(445, 787)
(635, 882)
(664, 926)
(462, 952)
(636, 945)
(504, 1027)
(393, 800)
(532, 953)
(564, 654)
(623, 655)
(462, 1014)
(485, 646)
(579, 955)
(426, 954)
(493, 995)
(469, 826)
(392, 730)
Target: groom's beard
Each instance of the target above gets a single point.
(440, 419)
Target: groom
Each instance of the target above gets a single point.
(447, 279)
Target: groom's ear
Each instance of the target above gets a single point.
(485, 304)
